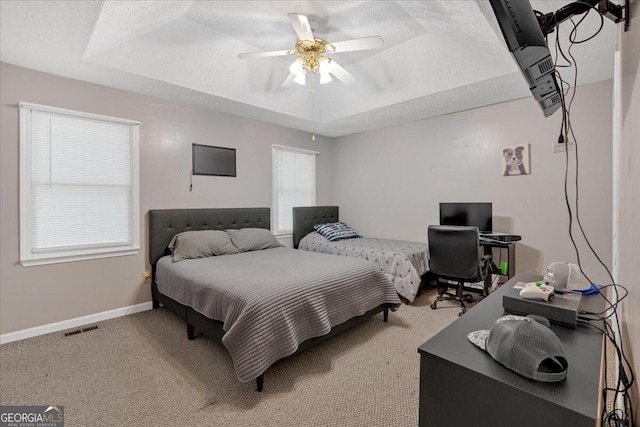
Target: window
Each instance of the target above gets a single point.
(294, 184)
(78, 185)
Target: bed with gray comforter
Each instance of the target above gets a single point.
(403, 262)
(263, 305)
(272, 300)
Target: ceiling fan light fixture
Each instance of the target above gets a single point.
(300, 79)
(310, 54)
(296, 68)
(324, 68)
(325, 65)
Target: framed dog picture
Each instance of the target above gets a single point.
(515, 160)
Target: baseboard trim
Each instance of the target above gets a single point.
(74, 323)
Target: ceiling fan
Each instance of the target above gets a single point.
(311, 53)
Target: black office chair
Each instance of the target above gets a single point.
(455, 254)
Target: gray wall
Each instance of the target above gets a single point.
(388, 183)
(42, 295)
(629, 194)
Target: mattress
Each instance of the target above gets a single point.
(401, 261)
(272, 300)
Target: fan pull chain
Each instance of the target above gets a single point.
(313, 109)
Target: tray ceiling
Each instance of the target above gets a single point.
(439, 56)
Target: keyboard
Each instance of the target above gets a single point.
(501, 237)
(484, 239)
(494, 242)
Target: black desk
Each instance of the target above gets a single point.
(460, 385)
(511, 254)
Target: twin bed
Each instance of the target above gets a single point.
(266, 304)
(403, 262)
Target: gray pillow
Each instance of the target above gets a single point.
(200, 244)
(253, 239)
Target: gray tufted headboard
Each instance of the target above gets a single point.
(306, 217)
(166, 223)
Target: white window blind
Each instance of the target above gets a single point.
(78, 185)
(294, 184)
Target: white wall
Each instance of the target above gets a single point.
(629, 190)
(41, 295)
(388, 183)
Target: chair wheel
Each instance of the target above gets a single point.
(433, 306)
(461, 313)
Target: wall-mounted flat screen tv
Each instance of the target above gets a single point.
(216, 161)
(475, 214)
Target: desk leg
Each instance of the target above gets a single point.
(511, 253)
(488, 250)
(511, 258)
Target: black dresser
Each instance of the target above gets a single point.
(460, 385)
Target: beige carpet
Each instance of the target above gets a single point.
(141, 370)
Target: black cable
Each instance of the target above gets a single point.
(565, 139)
(610, 306)
(604, 415)
(558, 49)
(575, 26)
(620, 353)
(574, 31)
(624, 380)
(626, 376)
(569, 129)
(563, 134)
(624, 383)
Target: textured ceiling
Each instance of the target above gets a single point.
(439, 56)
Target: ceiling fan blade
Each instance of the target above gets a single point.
(265, 54)
(366, 43)
(301, 26)
(343, 75)
(289, 80)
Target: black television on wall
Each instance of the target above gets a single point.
(526, 42)
(475, 214)
(214, 161)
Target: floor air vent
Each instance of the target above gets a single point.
(79, 331)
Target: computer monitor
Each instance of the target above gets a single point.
(475, 214)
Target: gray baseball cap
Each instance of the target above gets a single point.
(524, 346)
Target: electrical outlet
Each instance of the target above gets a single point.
(560, 148)
(146, 276)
